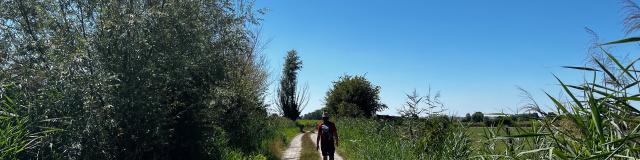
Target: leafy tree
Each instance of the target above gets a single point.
(354, 96)
(134, 79)
(289, 102)
(477, 117)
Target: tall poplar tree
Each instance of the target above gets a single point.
(290, 102)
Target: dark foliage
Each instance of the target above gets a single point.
(467, 118)
(290, 100)
(477, 117)
(499, 121)
(135, 79)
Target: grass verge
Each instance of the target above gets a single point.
(285, 130)
(308, 148)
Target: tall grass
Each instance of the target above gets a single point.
(18, 133)
(599, 119)
(372, 139)
(14, 135)
(368, 139)
(283, 130)
(504, 141)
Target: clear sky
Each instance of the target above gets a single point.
(475, 53)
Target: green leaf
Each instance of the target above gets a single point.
(584, 88)
(575, 100)
(533, 151)
(595, 115)
(630, 108)
(566, 112)
(626, 40)
(603, 87)
(560, 154)
(626, 138)
(630, 85)
(618, 64)
(631, 98)
(558, 104)
(599, 156)
(631, 64)
(581, 68)
(604, 68)
(9, 100)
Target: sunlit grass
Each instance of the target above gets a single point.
(18, 131)
(308, 148)
(309, 125)
(362, 138)
(285, 130)
(597, 119)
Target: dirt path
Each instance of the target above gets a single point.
(313, 138)
(295, 147)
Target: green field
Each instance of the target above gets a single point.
(309, 125)
(480, 136)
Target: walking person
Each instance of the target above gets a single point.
(327, 137)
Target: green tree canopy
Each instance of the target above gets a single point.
(354, 96)
(477, 117)
(134, 79)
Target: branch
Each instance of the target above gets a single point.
(302, 99)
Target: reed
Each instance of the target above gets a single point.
(598, 121)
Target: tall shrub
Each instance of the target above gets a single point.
(136, 79)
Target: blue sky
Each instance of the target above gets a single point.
(475, 53)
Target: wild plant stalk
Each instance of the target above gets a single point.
(599, 121)
(421, 133)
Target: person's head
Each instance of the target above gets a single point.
(325, 116)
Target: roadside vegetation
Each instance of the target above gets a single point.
(148, 80)
(598, 121)
(422, 132)
(133, 80)
(284, 131)
(309, 148)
